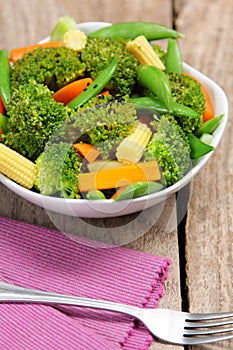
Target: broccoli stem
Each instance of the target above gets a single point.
(64, 24)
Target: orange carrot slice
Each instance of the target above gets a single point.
(209, 112)
(18, 53)
(72, 90)
(118, 191)
(89, 152)
(104, 93)
(117, 177)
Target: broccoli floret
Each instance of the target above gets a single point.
(99, 52)
(105, 121)
(33, 116)
(170, 118)
(187, 91)
(58, 169)
(160, 52)
(54, 67)
(169, 146)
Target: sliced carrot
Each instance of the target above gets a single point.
(89, 152)
(18, 53)
(104, 93)
(1, 106)
(116, 194)
(72, 90)
(117, 177)
(209, 112)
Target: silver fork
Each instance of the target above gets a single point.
(167, 325)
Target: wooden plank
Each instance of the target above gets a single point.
(161, 239)
(209, 249)
(25, 22)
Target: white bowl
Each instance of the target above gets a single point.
(111, 208)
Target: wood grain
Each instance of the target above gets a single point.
(22, 23)
(209, 232)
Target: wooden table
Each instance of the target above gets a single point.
(200, 240)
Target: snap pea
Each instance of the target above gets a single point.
(157, 82)
(139, 189)
(5, 85)
(173, 61)
(3, 122)
(198, 148)
(209, 126)
(96, 87)
(130, 30)
(95, 195)
(155, 105)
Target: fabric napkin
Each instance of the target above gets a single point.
(46, 259)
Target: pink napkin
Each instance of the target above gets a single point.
(47, 259)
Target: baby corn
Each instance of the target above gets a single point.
(131, 149)
(17, 167)
(141, 48)
(74, 39)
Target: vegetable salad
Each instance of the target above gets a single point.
(109, 115)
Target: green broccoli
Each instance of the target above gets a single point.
(99, 52)
(160, 52)
(169, 146)
(105, 121)
(187, 91)
(33, 117)
(54, 67)
(58, 169)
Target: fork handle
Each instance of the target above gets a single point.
(14, 294)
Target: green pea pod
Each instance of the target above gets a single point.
(130, 30)
(173, 62)
(5, 71)
(3, 123)
(155, 105)
(96, 87)
(95, 195)
(198, 148)
(157, 82)
(209, 126)
(139, 189)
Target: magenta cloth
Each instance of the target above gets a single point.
(46, 259)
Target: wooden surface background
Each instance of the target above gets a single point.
(200, 277)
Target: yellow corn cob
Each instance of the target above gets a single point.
(74, 39)
(141, 48)
(17, 167)
(131, 149)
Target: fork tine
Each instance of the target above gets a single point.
(200, 316)
(197, 324)
(192, 332)
(205, 340)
